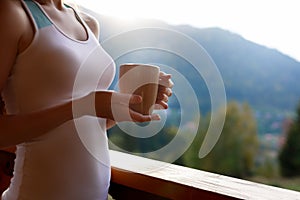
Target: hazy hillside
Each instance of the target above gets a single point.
(265, 78)
(262, 76)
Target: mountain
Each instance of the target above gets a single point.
(265, 78)
(254, 73)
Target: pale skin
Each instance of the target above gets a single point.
(15, 38)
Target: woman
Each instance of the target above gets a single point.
(41, 53)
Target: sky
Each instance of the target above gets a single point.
(272, 23)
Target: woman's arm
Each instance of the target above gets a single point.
(16, 129)
(110, 124)
(14, 37)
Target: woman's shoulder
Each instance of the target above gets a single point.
(10, 5)
(13, 22)
(11, 9)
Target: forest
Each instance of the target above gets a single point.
(262, 93)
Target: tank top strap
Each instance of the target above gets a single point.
(40, 19)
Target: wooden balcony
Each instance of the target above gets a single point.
(141, 178)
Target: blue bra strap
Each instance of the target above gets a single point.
(39, 16)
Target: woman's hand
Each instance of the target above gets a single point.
(164, 90)
(111, 105)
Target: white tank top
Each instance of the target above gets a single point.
(71, 161)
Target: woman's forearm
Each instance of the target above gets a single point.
(16, 129)
(110, 124)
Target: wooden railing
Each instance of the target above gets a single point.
(135, 177)
(140, 178)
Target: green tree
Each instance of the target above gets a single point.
(250, 139)
(289, 156)
(236, 148)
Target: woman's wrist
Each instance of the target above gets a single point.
(84, 106)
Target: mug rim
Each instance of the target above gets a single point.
(139, 64)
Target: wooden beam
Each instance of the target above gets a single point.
(177, 182)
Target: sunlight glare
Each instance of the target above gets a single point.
(130, 9)
(270, 23)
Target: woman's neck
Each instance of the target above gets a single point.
(56, 3)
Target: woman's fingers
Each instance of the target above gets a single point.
(135, 99)
(163, 95)
(161, 105)
(138, 117)
(122, 112)
(165, 80)
(164, 91)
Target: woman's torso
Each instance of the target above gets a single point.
(71, 161)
